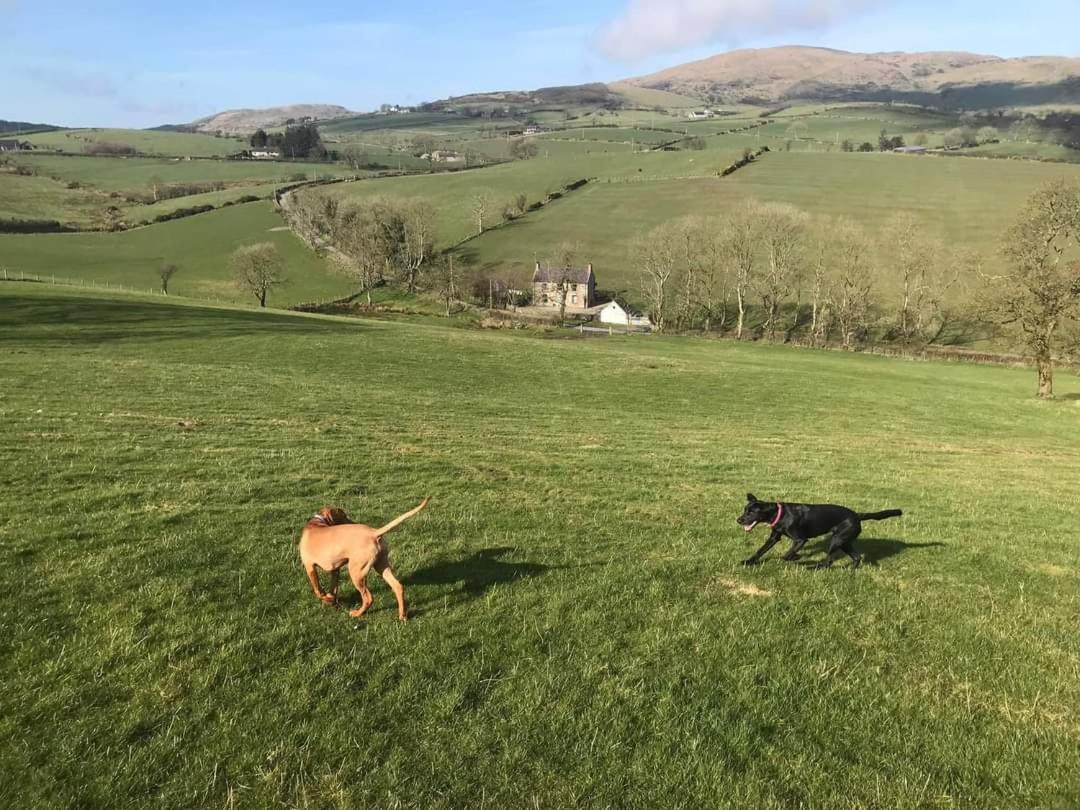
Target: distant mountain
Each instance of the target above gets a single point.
(958, 80)
(244, 121)
(23, 126)
(595, 94)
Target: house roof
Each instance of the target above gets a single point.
(554, 275)
(10, 144)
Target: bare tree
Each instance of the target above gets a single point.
(481, 202)
(362, 245)
(355, 156)
(820, 300)
(257, 268)
(782, 230)
(523, 148)
(658, 255)
(913, 255)
(852, 283)
(714, 285)
(155, 183)
(418, 239)
(1042, 289)
(165, 273)
(445, 281)
(739, 247)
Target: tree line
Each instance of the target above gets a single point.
(828, 281)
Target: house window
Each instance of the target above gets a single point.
(574, 299)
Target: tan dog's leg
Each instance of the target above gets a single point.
(333, 589)
(313, 578)
(358, 577)
(382, 565)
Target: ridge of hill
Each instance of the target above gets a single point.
(947, 78)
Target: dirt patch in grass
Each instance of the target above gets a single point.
(741, 588)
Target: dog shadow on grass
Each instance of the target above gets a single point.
(474, 575)
(873, 550)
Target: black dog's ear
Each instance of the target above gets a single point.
(750, 497)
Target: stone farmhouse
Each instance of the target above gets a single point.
(549, 284)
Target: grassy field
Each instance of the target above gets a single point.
(582, 633)
(965, 203)
(25, 197)
(200, 245)
(145, 141)
(123, 174)
(451, 194)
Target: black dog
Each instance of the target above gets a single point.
(801, 521)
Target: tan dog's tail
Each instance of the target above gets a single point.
(399, 520)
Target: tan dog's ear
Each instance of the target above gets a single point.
(333, 515)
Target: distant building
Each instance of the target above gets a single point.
(911, 150)
(550, 284)
(442, 156)
(264, 152)
(616, 313)
(532, 129)
(698, 115)
(14, 146)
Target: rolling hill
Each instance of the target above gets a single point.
(249, 120)
(952, 79)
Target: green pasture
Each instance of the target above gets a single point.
(123, 174)
(145, 141)
(145, 213)
(28, 197)
(1031, 151)
(200, 245)
(965, 203)
(582, 633)
(451, 194)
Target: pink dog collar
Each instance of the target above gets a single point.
(779, 514)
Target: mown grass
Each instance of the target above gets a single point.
(582, 634)
(145, 141)
(200, 245)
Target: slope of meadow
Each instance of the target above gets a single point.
(582, 632)
(145, 141)
(452, 194)
(200, 245)
(966, 203)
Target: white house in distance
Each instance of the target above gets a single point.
(264, 152)
(615, 314)
(699, 115)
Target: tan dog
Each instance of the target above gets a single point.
(330, 540)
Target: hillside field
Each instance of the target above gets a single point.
(582, 633)
(200, 245)
(178, 144)
(966, 203)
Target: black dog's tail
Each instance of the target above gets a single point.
(884, 513)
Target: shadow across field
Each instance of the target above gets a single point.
(476, 573)
(93, 321)
(872, 549)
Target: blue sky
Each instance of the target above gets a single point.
(125, 63)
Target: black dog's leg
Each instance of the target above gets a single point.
(856, 559)
(774, 538)
(796, 546)
(843, 535)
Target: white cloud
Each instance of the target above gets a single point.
(651, 26)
